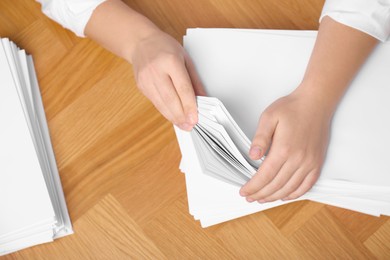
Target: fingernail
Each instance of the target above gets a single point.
(250, 199)
(255, 152)
(261, 201)
(286, 198)
(191, 119)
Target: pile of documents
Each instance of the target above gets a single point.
(245, 71)
(32, 204)
(222, 147)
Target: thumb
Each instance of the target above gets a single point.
(263, 137)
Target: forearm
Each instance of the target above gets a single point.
(118, 28)
(338, 54)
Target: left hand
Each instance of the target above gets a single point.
(166, 75)
(298, 127)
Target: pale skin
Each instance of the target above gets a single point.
(163, 70)
(297, 125)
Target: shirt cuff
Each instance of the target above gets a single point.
(71, 14)
(369, 16)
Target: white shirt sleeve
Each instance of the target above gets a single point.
(369, 16)
(71, 14)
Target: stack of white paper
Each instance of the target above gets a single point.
(249, 69)
(32, 204)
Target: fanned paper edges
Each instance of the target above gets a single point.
(221, 145)
(222, 149)
(248, 70)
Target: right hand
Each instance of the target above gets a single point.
(298, 127)
(166, 75)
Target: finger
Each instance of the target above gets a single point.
(305, 186)
(148, 89)
(171, 101)
(183, 85)
(278, 182)
(263, 136)
(266, 173)
(290, 186)
(196, 82)
(152, 94)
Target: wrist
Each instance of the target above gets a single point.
(146, 30)
(319, 97)
(118, 28)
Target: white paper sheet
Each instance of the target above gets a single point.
(22, 187)
(32, 204)
(248, 70)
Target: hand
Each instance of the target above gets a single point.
(298, 126)
(166, 75)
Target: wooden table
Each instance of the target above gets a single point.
(118, 158)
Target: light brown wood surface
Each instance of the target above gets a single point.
(118, 158)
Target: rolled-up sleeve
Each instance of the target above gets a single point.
(369, 16)
(71, 14)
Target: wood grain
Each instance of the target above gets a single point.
(118, 157)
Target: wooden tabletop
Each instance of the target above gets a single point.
(118, 157)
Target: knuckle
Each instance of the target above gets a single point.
(299, 156)
(267, 115)
(268, 166)
(277, 185)
(291, 187)
(171, 59)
